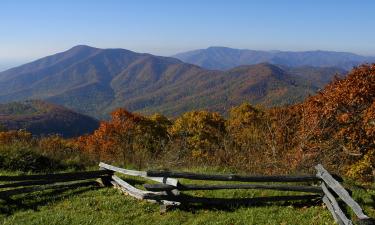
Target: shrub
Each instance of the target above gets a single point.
(199, 131)
(21, 157)
(128, 138)
(364, 169)
(63, 150)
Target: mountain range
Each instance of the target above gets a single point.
(42, 118)
(95, 81)
(222, 58)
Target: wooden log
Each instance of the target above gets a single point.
(340, 191)
(181, 187)
(330, 208)
(336, 208)
(143, 174)
(135, 192)
(237, 201)
(49, 181)
(74, 175)
(8, 193)
(232, 177)
(140, 194)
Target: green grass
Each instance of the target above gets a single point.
(91, 205)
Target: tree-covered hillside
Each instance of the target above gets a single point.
(96, 81)
(42, 118)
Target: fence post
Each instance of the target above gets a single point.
(328, 180)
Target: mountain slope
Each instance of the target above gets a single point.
(223, 58)
(95, 81)
(264, 84)
(42, 118)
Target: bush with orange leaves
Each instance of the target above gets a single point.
(19, 150)
(127, 138)
(263, 140)
(8, 137)
(58, 148)
(338, 122)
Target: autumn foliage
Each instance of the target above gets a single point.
(340, 121)
(335, 127)
(21, 151)
(127, 137)
(199, 132)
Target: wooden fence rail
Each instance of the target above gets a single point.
(167, 184)
(334, 207)
(168, 190)
(232, 177)
(181, 187)
(136, 173)
(329, 182)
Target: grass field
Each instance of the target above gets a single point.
(93, 205)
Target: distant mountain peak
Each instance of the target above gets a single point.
(80, 47)
(223, 58)
(218, 47)
(261, 70)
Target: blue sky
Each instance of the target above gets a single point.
(30, 29)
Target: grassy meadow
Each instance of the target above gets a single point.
(94, 205)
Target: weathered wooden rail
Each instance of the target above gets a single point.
(328, 182)
(181, 187)
(168, 189)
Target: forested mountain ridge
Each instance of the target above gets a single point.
(223, 58)
(95, 81)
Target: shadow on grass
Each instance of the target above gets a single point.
(133, 182)
(32, 201)
(191, 203)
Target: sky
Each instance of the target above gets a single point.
(30, 29)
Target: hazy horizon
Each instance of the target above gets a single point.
(34, 29)
(5, 65)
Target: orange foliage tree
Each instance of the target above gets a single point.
(340, 118)
(127, 137)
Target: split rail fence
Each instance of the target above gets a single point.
(168, 190)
